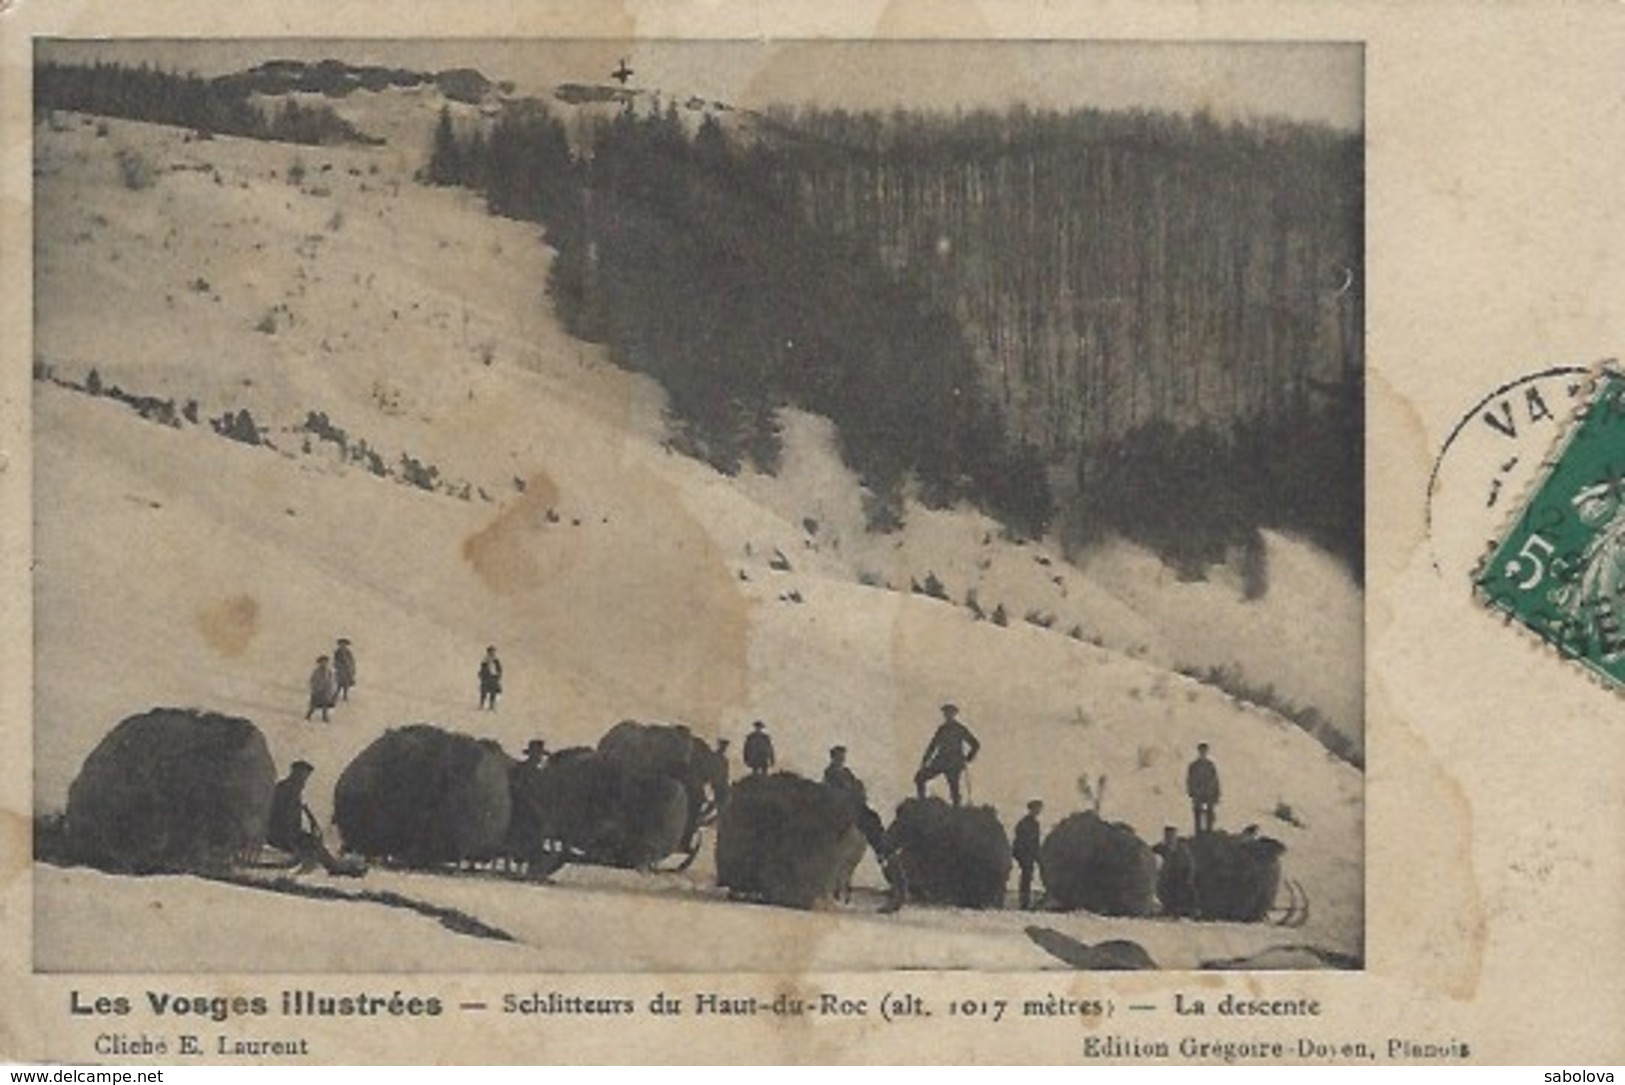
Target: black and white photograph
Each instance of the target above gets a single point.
(559, 506)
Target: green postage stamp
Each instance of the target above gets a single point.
(1560, 569)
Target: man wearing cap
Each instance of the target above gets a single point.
(950, 750)
(321, 688)
(842, 780)
(1202, 785)
(759, 750)
(343, 668)
(294, 829)
(839, 778)
(490, 679)
(1176, 879)
(1024, 849)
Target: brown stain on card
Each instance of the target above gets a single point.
(1422, 812)
(1394, 426)
(229, 625)
(498, 553)
(634, 603)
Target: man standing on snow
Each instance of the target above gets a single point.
(1025, 850)
(759, 750)
(839, 778)
(1176, 879)
(490, 679)
(951, 749)
(1202, 785)
(343, 668)
(321, 689)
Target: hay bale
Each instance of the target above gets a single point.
(421, 795)
(786, 840)
(172, 789)
(955, 855)
(596, 808)
(1236, 876)
(1100, 866)
(649, 748)
(659, 749)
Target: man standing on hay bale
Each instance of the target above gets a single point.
(759, 750)
(288, 831)
(1024, 849)
(322, 689)
(343, 668)
(951, 749)
(1202, 785)
(490, 679)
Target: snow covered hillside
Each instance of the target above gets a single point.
(436, 466)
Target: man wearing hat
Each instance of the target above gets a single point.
(524, 837)
(950, 750)
(1024, 848)
(839, 778)
(343, 668)
(295, 830)
(1202, 785)
(843, 780)
(321, 688)
(535, 753)
(759, 750)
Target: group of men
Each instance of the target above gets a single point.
(952, 748)
(949, 753)
(1202, 787)
(333, 677)
(331, 681)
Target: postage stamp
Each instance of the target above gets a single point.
(1561, 567)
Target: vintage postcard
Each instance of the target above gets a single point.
(931, 533)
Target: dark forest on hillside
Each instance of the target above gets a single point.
(1136, 323)
(208, 106)
(1083, 322)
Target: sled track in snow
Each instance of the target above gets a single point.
(450, 918)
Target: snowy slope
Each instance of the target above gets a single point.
(619, 579)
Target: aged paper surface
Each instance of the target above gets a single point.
(1471, 872)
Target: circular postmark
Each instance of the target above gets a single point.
(1491, 461)
(1559, 567)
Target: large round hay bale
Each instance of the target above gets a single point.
(656, 815)
(172, 789)
(594, 807)
(649, 748)
(672, 750)
(1236, 876)
(955, 855)
(786, 840)
(421, 795)
(1099, 866)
